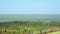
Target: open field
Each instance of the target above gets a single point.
(29, 27)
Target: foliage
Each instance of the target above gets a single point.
(28, 27)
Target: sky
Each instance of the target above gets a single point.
(29, 6)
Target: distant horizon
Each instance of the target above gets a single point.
(29, 17)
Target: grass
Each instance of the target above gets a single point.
(58, 32)
(28, 27)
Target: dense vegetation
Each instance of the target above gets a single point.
(29, 27)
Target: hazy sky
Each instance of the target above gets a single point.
(29, 6)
